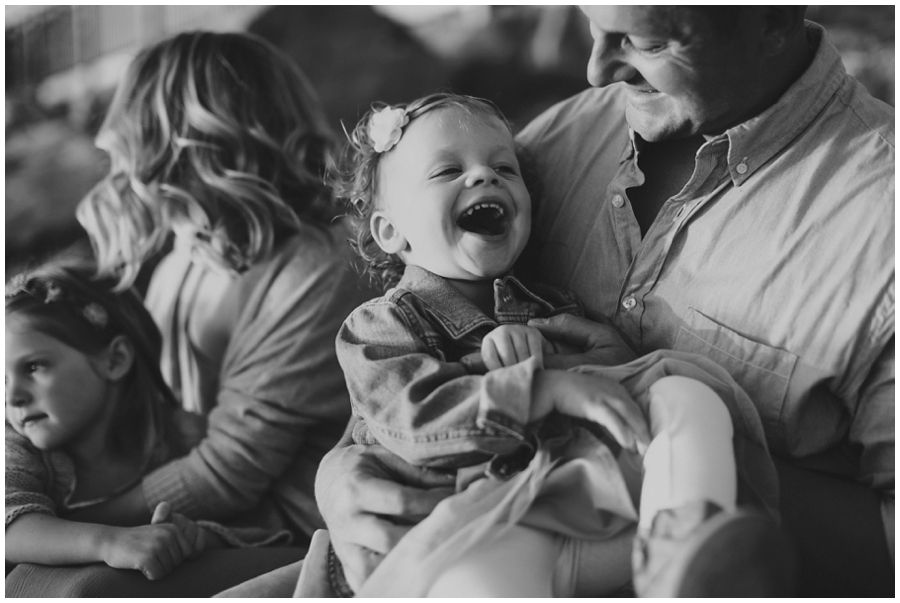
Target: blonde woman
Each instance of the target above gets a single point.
(218, 144)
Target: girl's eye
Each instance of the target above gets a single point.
(32, 367)
(506, 169)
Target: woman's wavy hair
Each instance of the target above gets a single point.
(220, 129)
(355, 182)
(65, 300)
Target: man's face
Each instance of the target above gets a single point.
(682, 77)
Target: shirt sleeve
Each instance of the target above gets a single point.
(281, 400)
(873, 430)
(26, 479)
(424, 409)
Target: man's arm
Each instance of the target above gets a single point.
(873, 430)
(369, 499)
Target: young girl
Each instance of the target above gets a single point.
(87, 415)
(443, 215)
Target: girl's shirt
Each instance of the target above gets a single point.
(40, 481)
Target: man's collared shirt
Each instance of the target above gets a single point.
(775, 259)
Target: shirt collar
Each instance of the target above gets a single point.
(452, 307)
(753, 142)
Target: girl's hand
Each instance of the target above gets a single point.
(194, 534)
(510, 344)
(597, 399)
(153, 550)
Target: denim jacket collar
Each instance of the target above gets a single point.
(753, 142)
(459, 316)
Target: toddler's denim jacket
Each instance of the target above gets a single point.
(403, 359)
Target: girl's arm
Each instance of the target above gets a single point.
(428, 410)
(126, 509)
(39, 538)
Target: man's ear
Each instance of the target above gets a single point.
(118, 358)
(780, 24)
(386, 234)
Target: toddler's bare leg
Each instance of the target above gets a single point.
(520, 563)
(691, 455)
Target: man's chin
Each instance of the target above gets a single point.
(651, 127)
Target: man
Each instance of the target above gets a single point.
(743, 210)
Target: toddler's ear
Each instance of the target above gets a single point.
(119, 358)
(386, 234)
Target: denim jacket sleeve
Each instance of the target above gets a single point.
(422, 407)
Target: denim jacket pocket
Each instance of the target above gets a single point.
(763, 371)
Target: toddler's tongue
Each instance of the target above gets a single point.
(487, 221)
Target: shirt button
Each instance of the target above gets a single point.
(618, 201)
(628, 303)
(742, 168)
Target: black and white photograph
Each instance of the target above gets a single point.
(450, 301)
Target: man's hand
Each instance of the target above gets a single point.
(370, 498)
(510, 344)
(598, 344)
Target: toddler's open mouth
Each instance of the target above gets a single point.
(486, 218)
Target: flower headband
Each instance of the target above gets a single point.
(386, 128)
(51, 292)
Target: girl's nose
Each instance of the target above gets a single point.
(16, 395)
(607, 63)
(481, 174)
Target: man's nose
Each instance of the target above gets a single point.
(481, 174)
(608, 63)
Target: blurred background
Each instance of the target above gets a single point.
(62, 64)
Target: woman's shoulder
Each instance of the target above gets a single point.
(312, 250)
(315, 263)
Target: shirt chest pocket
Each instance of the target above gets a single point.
(763, 371)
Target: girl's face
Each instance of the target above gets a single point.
(55, 395)
(452, 197)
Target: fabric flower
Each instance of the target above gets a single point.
(54, 293)
(386, 128)
(95, 314)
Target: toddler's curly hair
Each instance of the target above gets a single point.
(355, 182)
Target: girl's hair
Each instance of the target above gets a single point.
(62, 300)
(220, 129)
(356, 181)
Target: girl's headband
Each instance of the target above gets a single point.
(386, 128)
(51, 292)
